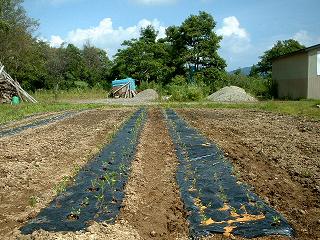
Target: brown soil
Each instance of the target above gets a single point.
(153, 205)
(276, 154)
(33, 162)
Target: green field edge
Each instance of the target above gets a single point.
(9, 113)
(306, 108)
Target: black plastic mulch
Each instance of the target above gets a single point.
(97, 191)
(37, 123)
(217, 202)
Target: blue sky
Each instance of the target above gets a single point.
(249, 27)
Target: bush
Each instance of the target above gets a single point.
(153, 85)
(186, 92)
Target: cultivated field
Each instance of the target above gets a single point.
(277, 155)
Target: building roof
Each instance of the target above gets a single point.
(304, 50)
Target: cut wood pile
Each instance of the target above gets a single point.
(10, 88)
(7, 91)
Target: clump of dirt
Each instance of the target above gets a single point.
(97, 231)
(231, 94)
(153, 205)
(278, 155)
(37, 163)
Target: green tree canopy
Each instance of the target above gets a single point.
(144, 58)
(264, 66)
(194, 46)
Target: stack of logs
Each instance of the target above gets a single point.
(7, 91)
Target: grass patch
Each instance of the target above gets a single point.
(305, 108)
(10, 112)
(72, 94)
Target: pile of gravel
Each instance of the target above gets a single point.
(147, 95)
(231, 94)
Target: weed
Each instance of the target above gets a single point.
(33, 200)
(62, 186)
(75, 171)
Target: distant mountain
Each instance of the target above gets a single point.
(245, 71)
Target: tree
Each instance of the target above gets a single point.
(264, 66)
(195, 45)
(97, 65)
(18, 48)
(74, 64)
(143, 58)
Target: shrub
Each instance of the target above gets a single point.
(186, 92)
(153, 85)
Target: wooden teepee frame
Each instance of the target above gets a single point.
(22, 93)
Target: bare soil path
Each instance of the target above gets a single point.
(278, 155)
(35, 161)
(153, 205)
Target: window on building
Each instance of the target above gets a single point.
(318, 63)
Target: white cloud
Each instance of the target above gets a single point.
(306, 38)
(55, 41)
(105, 36)
(154, 2)
(235, 38)
(231, 27)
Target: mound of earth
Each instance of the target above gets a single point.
(231, 94)
(148, 94)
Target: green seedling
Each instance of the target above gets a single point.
(85, 201)
(100, 197)
(234, 210)
(276, 221)
(122, 168)
(94, 183)
(203, 217)
(74, 214)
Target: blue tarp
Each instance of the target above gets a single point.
(121, 82)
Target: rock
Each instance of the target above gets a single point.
(303, 212)
(153, 234)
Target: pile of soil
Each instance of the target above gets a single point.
(231, 94)
(147, 95)
(276, 154)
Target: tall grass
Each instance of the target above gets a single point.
(49, 96)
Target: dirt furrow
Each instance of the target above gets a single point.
(153, 205)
